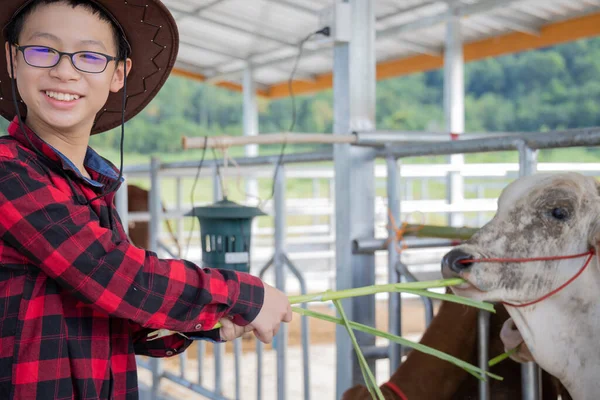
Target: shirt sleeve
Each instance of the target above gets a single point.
(168, 346)
(65, 240)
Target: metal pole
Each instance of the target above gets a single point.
(179, 208)
(250, 114)
(217, 189)
(483, 335)
(395, 299)
(316, 194)
(530, 372)
(354, 109)
(454, 109)
(427, 303)
(154, 225)
(218, 348)
(250, 110)
(237, 351)
(259, 344)
(305, 330)
(281, 337)
(122, 205)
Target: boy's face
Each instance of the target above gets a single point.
(66, 29)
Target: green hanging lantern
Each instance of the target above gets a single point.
(225, 232)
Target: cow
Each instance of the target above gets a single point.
(538, 256)
(139, 232)
(453, 330)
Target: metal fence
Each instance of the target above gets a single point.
(396, 178)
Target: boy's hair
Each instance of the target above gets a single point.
(14, 29)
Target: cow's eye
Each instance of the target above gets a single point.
(560, 213)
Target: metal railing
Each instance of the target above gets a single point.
(396, 269)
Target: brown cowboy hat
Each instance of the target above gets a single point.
(153, 38)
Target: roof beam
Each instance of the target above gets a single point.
(465, 10)
(223, 53)
(515, 26)
(401, 11)
(296, 7)
(238, 29)
(185, 71)
(550, 34)
(419, 48)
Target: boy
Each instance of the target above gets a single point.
(77, 300)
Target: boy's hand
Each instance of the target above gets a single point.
(276, 308)
(230, 331)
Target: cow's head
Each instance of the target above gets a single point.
(541, 215)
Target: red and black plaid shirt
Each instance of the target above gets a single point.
(77, 299)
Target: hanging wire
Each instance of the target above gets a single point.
(187, 247)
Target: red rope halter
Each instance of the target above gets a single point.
(394, 388)
(589, 254)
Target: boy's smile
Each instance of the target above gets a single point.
(62, 100)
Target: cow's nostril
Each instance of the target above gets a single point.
(457, 260)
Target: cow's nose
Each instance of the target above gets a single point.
(456, 259)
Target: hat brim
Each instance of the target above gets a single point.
(153, 37)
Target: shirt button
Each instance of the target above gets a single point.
(199, 326)
(169, 353)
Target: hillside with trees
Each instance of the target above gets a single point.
(547, 89)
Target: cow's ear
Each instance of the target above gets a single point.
(594, 236)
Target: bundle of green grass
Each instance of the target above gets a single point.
(416, 288)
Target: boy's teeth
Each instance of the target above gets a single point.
(62, 96)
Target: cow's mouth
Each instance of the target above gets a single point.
(467, 286)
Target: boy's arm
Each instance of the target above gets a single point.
(65, 240)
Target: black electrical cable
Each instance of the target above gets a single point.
(187, 247)
(326, 32)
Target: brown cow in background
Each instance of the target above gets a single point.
(139, 232)
(454, 331)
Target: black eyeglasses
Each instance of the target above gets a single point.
(46, 57)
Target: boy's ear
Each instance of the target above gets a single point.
(118, 79)
(7, 48)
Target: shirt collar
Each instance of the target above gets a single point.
(100, 169)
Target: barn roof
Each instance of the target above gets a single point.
(220, 38)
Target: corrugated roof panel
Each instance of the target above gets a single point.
(198, 56)
(221, 36)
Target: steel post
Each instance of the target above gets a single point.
(354, 109)
(279, 258)
(250, 111)
(394, 299)
(179, 208)
(218, 348)
(156, 366)
(454, 108)
(304, 329)
(530, 372)
(483, 339)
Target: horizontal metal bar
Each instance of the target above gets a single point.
(375, 352)
(380, 352)
(193, 387)
(307, 157)
(371, 245)
(534, 140)
(224, 141)
(507, 142)
(380, 138)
